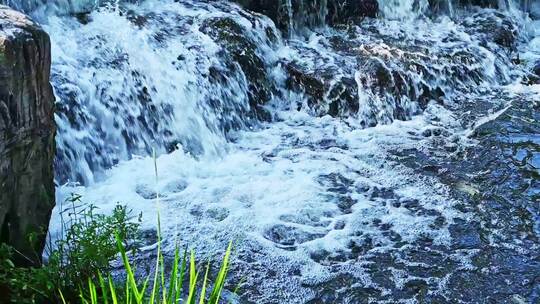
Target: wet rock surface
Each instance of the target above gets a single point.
(496, 28)
(343, 11)
(536, 72)
(226, 58)
(397, 77)
(243, 51)
(387, 166)
(27, 132)
(303, 13)
(498, 184)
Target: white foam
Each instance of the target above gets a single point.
(293, 172)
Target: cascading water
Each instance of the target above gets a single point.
(150, 84)
(350, 164)
(55, 6)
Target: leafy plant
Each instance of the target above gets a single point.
(20, 285)
(89, 243)
(78, 267)
(87, 247)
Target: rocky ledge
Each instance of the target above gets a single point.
(27, 132)
(315, 12)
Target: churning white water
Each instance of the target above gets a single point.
(299, 191)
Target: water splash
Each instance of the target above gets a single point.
(322, 153)
(155, 81)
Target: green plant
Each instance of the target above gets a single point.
(86, 247)
(78, 268)
(20, 285)
(89, 244)
(106, 290)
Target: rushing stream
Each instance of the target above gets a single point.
(396, 159)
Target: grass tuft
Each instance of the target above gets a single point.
(159, 293)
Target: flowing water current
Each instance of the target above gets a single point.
(392, 160)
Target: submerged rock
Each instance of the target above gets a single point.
(536, 70)
(497, 28)
(27, 132)
(288, 237)
(325, 93)
(242, 50)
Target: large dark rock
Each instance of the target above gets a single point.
(308, 13)
(242, 51)
(27, 132)
(480, 3)
(497, 28)
(343, 11)
(325, 93)
(536, 69)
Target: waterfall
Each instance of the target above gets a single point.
(142, 87)
(55, 6)
(340, 151)
(402, 9)
(146, 89)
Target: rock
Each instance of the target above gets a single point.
(241, 49)
(340, 225)
(343, 11)
(302, 80)
(270, 8)
(312, 12)
(288, 15)
(536, 69)
(481, 3)
(497, 28)
(27, 130)
(325, 94)
(445, 5)
(288, 237)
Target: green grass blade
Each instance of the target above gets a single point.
(112, 289)
(173, 280)
(128, 291)
(155, 282)
(145, 285)
(62, 296)
(105, 295)
(192, 279)
(205, 280)
(181, 276)
(83, 298)
(220, 280)
(92, 290)
(129, 272)
(162, 275)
